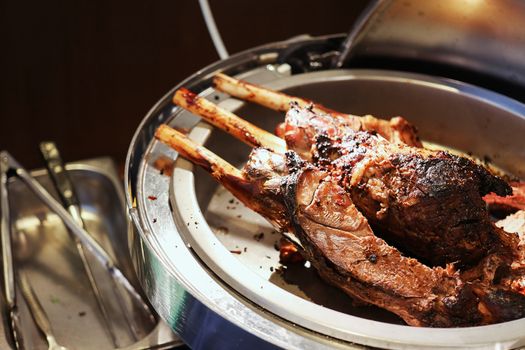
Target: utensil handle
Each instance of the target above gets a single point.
(78, 230)
(66, 191)
(8, 272)
(59, 176)
(5, 230)
(37, 311)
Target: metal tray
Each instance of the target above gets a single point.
(44, 250)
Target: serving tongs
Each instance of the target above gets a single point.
(10, 167)
(9, 287)
(67, 194)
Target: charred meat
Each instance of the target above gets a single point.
(357, 194)
(397, 130)
(337, 239)
(427, 202)
(508, 204)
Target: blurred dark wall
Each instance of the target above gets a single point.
(84, 73)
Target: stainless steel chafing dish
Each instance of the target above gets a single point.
(182, 228)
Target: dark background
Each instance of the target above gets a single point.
(84, 73)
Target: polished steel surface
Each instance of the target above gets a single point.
(485, 38)
(105, 260)
(43, 250)
(194, 281)
(66, 192)
(357, 28)
(8, 264)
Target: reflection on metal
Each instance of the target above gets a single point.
(476, 40)
(43, 251)
(38, 312)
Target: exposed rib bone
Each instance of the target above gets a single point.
(222, 171)
(197, 154)
(227, 121)
(268, 98)
(395, 130)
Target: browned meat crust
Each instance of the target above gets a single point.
(314, 203)
(337, 239)
(429, 203)
(397, 130)
(508, 204)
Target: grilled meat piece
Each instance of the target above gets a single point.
(289, 253)
(509, 204)
(412, 185)
(425, 201)
(340, 244)
(397, 129)
(338, 241)
(336, 238)
(429, 203)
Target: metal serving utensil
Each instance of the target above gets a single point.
(118, 278)
(36, 309)
(66, 192)
(37, 312)
(9, 286)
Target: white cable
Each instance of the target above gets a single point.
(212, 29)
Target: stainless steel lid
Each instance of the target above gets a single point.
(473, 40)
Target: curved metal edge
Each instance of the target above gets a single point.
(377, 332)
(200, 325)
(147, 126)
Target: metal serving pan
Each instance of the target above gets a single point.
(213, 297)
(44, 250)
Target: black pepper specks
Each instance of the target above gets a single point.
(258, 236)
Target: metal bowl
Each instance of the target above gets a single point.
(211, 296)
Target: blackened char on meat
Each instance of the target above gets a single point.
(337, 239)
(510, 204)
(429, 203)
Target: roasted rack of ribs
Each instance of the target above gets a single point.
(357, 192)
